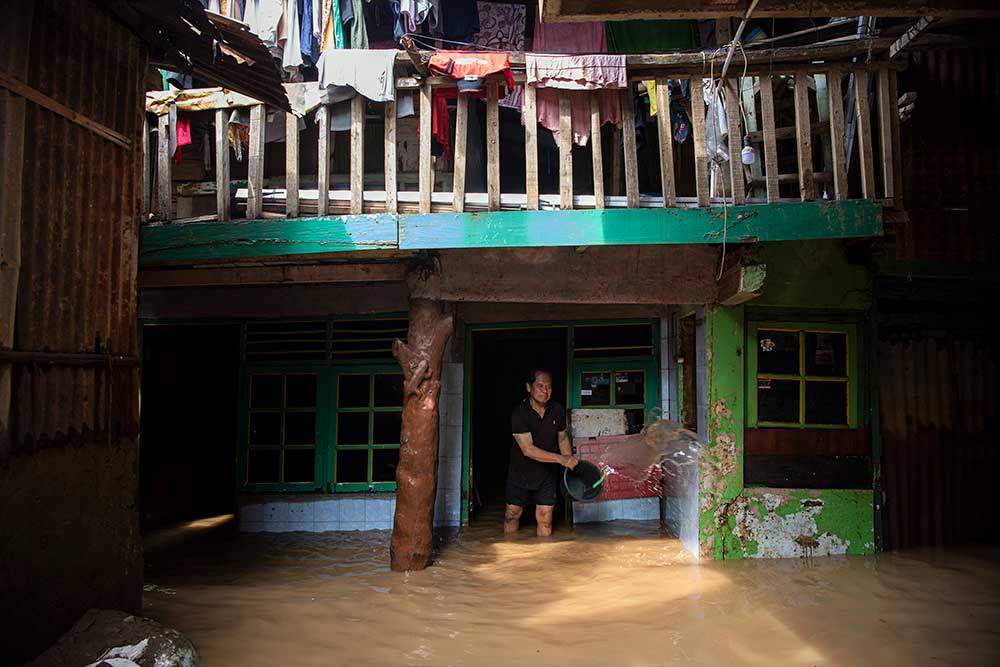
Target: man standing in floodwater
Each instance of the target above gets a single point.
(540, 447)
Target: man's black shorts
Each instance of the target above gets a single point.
(543, 495)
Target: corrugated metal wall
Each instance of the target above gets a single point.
(951, 157)
(68, 523)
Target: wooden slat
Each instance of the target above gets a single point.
(631, 158)
(531, 147)
(596, 149)
(461, 144)
(886, 108)
(291, 165)
(255, 163)
(700, 143)
(897, 155)
(666, 137)
(222, 164)
(391, 204)
(164, 167)
(357, 154)
(862, 106)
(731, 92)
(803, 135)
(323, 166)
(565, 152)
(492, 146)
(837, 135)
(823, 115)
(750, 109)
(426, 176)
(146, 179)
(770, 156)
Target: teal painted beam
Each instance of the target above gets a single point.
(770, 222)
(265, 238)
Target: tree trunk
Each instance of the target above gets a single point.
(416, 476)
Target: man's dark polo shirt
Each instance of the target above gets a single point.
(525, 472)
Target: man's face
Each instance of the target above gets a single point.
(541, 388)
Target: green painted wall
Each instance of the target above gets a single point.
(738, 522)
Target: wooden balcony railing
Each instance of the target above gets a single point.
(820, 131)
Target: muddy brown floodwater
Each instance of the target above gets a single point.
(619, 594)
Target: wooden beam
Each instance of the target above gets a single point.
(666, 140)
(804, 138)
(222, 201)
(461, 146)
(357, 154)
(631, 157)
(147, 184)
(531, 147)
(425, 174)
(770, 143)
(735, 144)
(565, 152)
(886, 110)
(323, 164)
(700, 142)
(272, 275)
(740, 283)
(904, 40)
(897, 155)
(596, 148)
(291, 165)
(492, 146)
(838, 136)
(862, 107)
(164, 168)
(391, 203)
(255, 163)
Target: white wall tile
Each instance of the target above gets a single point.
(327, 511)
(302, 511)
(352, 510)
(326, 526)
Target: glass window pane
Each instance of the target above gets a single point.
(389, 391)
(826, 402)
(630, 388)
(300, 465)
(595, 389)
(826, 354)
(385, 428)
(300, 428)
(265, 428)
(352, 465)
(265, 391)
(352, 391)
(778, 401)
(300, 391)
(263, 465)
(352, 428)
(778, 352)
(384, 462)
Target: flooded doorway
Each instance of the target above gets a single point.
(501, 360)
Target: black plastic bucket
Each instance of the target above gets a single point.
(584, 482)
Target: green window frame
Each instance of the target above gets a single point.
(360, 427)
(802, 375)
(619, 372)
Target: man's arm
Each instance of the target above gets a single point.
(528, 448)
(567, 449)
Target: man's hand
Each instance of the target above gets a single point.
(570, 461)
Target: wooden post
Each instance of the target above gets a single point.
(323, 165)
(596, 149)
(735, 140)
(803, 134)
(461, 146)
(420, 359)
(631, 159)
(357, 154)
(770, 142)
(222, 164)
(886, 108)
(838, 150)
(391, 202)
(426, 176)
(665, 135)
(255, 163)
(291, 165)
(164, 168)
(750, 109)
(864, 137)
(897, 155)
(565, 152)
(700, 142)
(531, 147)
(492, 146)
(146, 181)
(822, 115)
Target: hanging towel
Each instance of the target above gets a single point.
(368, 71)
(502, 29)
(291, 46)
(587, 37)
(645, 36)
(602, 73)
(309, 45)
(359, 31)
(183, 137)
